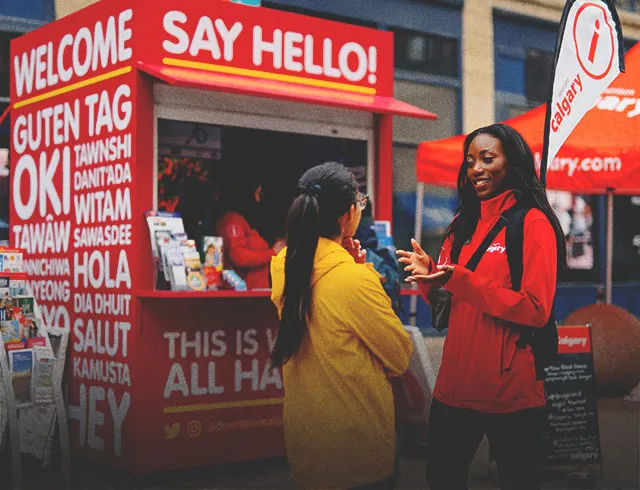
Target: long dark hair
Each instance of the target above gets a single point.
(238, 191)
(325, 193)
(521, 177)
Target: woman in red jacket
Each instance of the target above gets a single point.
(486, 383)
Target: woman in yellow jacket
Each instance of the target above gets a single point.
(338, 342)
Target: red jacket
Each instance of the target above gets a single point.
(482, 369)
(245, 251)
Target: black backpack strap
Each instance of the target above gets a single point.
(513, 220)
(509, 216)
(543, 341)
(514, 242)
(486, 243)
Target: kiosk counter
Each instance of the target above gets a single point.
(107, 105)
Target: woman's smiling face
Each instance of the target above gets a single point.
(486, 166)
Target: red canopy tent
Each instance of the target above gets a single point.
(601, 156)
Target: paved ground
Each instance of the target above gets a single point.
(619, 429)
(264, 475)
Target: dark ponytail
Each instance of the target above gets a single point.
(302, 241)
(325, 193)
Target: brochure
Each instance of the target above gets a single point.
(43, 377)
(18, 285)
(28, 306)
(8, 346)
(11, 260)
(5, 286)
(36, 342)
(21, 366)
(212, 248)
(10, 331)
(174, 264)
(31, 328)
(162, 221)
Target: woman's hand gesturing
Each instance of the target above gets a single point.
(420, 266)
(417, 262)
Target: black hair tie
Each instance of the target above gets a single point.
(310, 189)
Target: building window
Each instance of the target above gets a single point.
(515, 110)
(425, 53)
(626, 238)
(5, 63)
(407, 134)
(631, 5)
(528, 75)
(320, 15)
(25, 15)
(538, 72)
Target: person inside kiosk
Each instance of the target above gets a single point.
(245, 250)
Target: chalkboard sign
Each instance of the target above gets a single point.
(570, 433)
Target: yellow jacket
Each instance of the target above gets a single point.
(338, 409)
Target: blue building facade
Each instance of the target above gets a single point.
(16, 18)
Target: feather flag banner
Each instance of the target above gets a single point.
(589, 56)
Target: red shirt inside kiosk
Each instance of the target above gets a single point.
(162, 379)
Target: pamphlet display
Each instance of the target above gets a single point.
(29, 370)
(23, 336)
(179, 264)
(21, 366)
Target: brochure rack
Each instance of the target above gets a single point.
(12, 410)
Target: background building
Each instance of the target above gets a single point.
(16, 18)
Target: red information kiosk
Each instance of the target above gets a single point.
(160, 379)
